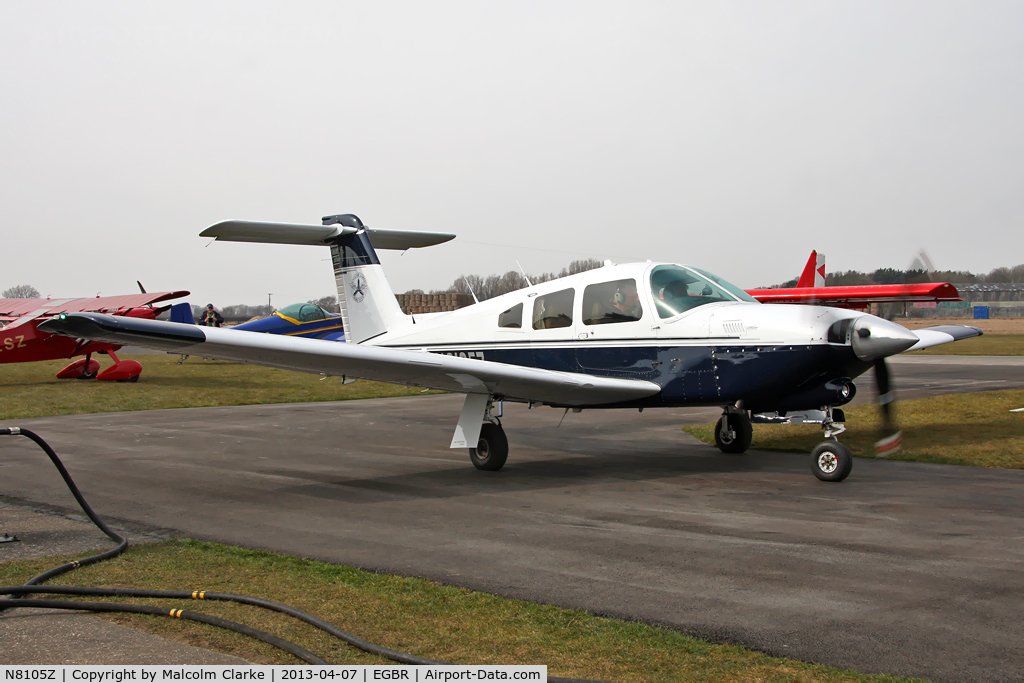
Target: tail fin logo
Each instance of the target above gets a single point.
(358, 283)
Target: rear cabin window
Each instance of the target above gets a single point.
(513, 317)
(611, 302)
(553, 310)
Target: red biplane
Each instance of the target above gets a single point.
(22, 342)
(811, 289)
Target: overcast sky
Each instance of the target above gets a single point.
(736, 136)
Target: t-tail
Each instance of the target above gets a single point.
(368, 305)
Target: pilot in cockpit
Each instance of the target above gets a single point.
(627, 302)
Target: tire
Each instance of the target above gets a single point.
(831, 461)
(739, 442)
(492, 449)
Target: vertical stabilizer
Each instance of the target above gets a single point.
(814, 272)
(368, 306)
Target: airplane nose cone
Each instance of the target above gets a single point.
(875, 337)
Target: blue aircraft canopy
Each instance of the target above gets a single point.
(303, 313)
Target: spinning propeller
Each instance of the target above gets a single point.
(876, 339)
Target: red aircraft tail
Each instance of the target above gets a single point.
(814, 271)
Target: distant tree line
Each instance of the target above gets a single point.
(894, 276)
(495, 285)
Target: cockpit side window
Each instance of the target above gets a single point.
(553, 310)
(677, 289)
(513, 317)
(611, 302)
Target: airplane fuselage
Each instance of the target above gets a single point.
(714, 348)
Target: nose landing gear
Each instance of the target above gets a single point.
(831, 460)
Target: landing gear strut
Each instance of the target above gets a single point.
(831, 460)
(733, 432)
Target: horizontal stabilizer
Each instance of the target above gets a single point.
(294, 233)
(397, 366)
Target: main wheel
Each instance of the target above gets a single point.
(831, 461)
(737, 438)
(491, 450)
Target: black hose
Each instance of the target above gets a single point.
(325, 626)
(31, 587)
(122, 542)
(301, 653)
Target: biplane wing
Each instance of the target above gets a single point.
(20, 311)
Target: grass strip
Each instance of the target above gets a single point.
(974, 429)
(32, 390)
(985, 345)
(409, 614)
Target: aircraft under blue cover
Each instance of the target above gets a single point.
(299, 320)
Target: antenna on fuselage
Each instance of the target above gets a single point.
(525, 276)
(470, 288)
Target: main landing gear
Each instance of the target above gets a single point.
(88, 368)
(480, 431)
(491, 450)
(733, 432)
(830, 460)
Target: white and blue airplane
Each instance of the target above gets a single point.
(630, 335)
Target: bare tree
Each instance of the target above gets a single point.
(496, 285)
(22, 292)
(328, 303)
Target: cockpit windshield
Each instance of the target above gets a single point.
(677, 289)
(302, 313)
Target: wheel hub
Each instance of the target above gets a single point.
(828, 462)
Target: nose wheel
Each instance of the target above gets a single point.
(831, 461)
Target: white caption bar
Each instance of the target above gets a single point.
(270, 674)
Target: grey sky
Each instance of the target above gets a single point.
(732, 135)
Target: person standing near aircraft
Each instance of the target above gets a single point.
(210, 317)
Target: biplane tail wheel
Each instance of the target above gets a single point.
(491, 450)
(733, 433)
(831, 461)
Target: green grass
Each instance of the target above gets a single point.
(408, 614)
(975, 429)
(32, 390)
(985, 345)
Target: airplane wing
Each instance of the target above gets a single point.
(397, 366)
(942, 334)
(857, 295)
(16, 308)
(18, 312)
